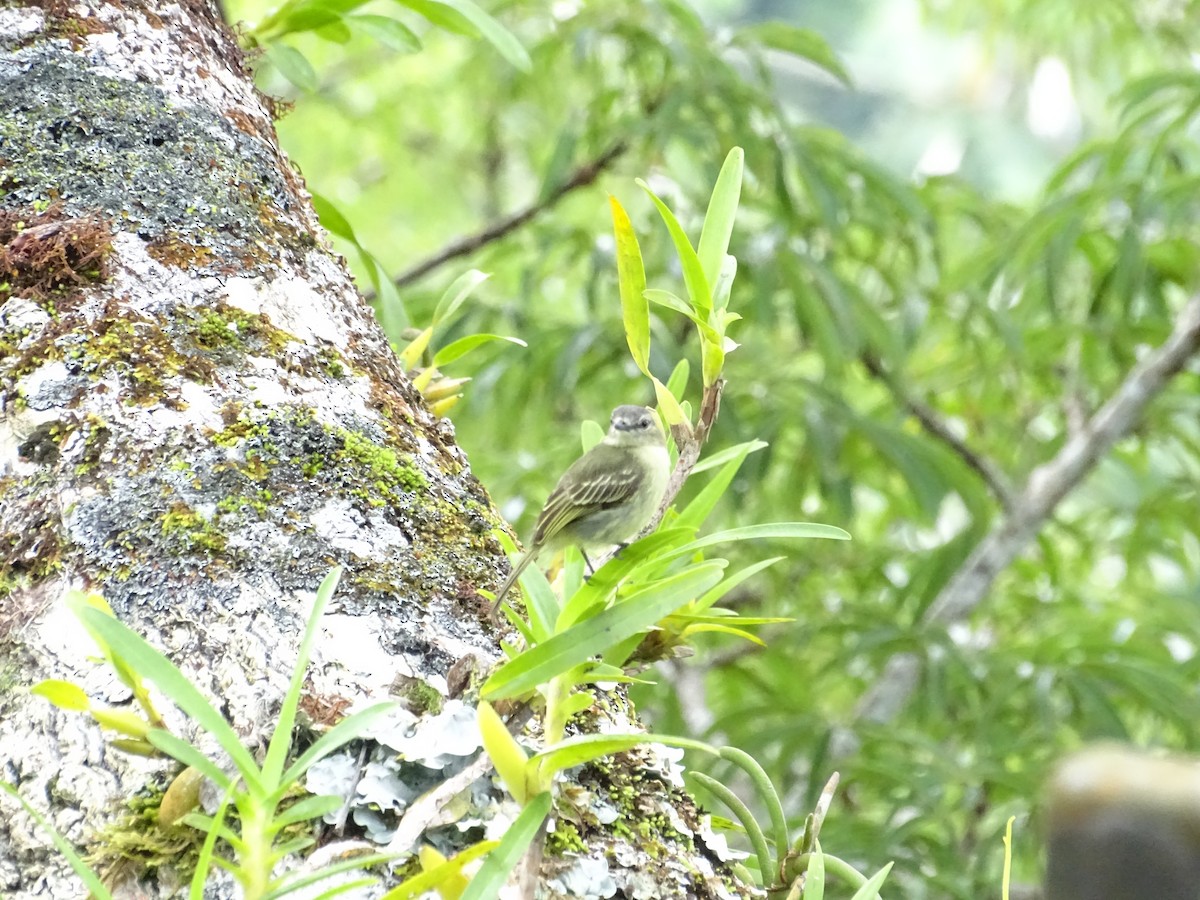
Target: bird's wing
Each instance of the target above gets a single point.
(600, 479)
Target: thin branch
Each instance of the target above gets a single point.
(582, 176)
(1046, 487)
(938, 429)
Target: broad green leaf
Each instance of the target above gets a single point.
(179, 688)
(679, 305)
(392, 33)
(590, 434)
(588, 638)
(294, 66)
(500, 862)
(693, 273)
(631, 282)
(506, 754)
(62, 694)
(332, 219)
(457, 349)
(454, 296)
(802, 42)
(719, 219)
(442, 16)
(89, 878)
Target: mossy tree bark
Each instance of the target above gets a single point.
(201, 417)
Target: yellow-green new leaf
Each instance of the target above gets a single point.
(62, 694)
(718, 220)
(121, 721)
(670, 409)
(631, 281)
(437, 873)
(506, 754)
(412, 353)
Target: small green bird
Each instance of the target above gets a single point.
(607, 495)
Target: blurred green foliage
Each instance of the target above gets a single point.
(872, 301)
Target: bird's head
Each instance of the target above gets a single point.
(634, 425)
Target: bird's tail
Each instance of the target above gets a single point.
(517, 569)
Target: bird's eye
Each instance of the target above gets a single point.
(645, 422)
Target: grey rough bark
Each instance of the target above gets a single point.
(200, 417)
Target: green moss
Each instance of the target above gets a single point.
(192, 529)
(135, 845)
(387, 476)
(418, 696)
(565, 838)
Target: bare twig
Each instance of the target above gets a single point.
(937, 428)
(582, 176)
(1046, 487)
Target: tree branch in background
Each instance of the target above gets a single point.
(1046, 487)
(939, 430)
(582, 176)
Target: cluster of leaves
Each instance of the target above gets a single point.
(889, 326)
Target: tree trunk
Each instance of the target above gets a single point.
(200, 418)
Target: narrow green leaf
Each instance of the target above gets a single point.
(631, 281)
(870, 890)
(205, 859)
(677, 383)
(157, 668)
(122, 721)
(814, 880)
(719, 219)
(733, 581)
(590, 434)
(181, 750)
(455, 350)
(392, 33)
(89, 878)
(332, 219)
(492, 31)
(454, 296)
(62, 694)
(500, 862)
(293, 65)
(350, 728)
(288, 885)
(506, 754)
(431, 878)
(766, 793)
(442, 16)
(584, 748)
(597, 589)
(588, 638)
(802, 42)
(693, 273)
(679, 305)
(670, 409)
(723, 456)
(305, 809)
(694, 514)
(281, 738)
(761, 532)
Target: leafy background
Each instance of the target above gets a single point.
(961, 225)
